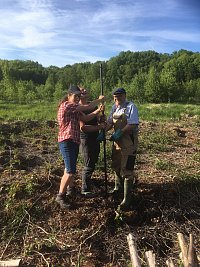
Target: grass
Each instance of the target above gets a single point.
(147, 112)
(163, 164)
(166, 112)
(156, 141)
(37, 111)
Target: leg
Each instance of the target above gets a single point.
(116, 166)
(128, 163)
(86, 179)
(128, 185)
(90, 151)
(69, 151)
(67, 179)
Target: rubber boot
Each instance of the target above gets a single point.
(118, 185)
(128, 185)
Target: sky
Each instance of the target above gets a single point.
(62, 32)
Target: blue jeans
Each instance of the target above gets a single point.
(69, 151)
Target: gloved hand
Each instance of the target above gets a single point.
(116, 135)
(101, 136)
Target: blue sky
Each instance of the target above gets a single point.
(61, 32)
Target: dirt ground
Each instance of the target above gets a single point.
(166, 199)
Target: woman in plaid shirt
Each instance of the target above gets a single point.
(70, 113)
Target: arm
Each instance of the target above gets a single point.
(132, 119)
(61, 113)
(91, 128)
(89, 116)
(91, 105)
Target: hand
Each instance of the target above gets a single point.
(116, 135)
(102, 108)
(101, 97)
(101, 136)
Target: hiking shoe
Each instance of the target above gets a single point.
(60, 199)
(71, 191)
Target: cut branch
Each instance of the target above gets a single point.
(10, 263)
(188, 253)
(150, 258)
(133, 251)
(170, 263)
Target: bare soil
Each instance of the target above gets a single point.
(166, 199)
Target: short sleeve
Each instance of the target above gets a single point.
(132, 114)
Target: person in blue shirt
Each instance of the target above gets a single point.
(124, 119)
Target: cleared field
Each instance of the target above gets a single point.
(165, 199)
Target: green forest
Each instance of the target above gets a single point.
(148, 77)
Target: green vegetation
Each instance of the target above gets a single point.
(149, 77)
(166, 90)
(163, 165)
(147, 112)
(37, 111)
(166, 112)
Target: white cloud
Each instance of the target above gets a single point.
(25, 29)
(62, 32)
(32, 37)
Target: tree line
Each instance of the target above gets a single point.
(147, 76)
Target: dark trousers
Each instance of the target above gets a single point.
(90, 149)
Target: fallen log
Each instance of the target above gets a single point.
(188, 254)
(192, 255)
(170, 263)
(150, 258)
(133, 251)
(10, 263)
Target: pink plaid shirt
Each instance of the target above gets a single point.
(68, 120)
